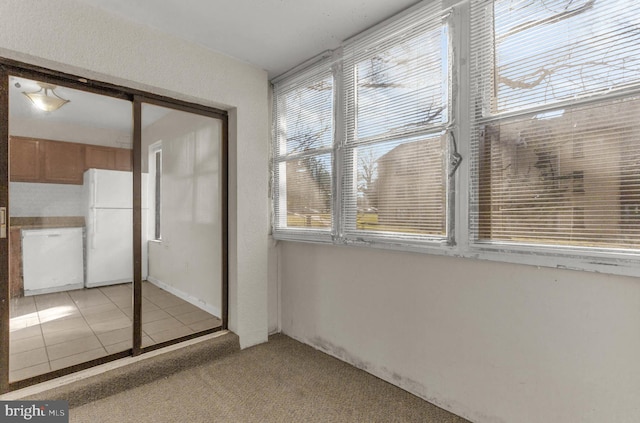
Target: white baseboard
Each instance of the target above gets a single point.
(106, 283)
(29, 292)
(209, 308)
(112, 282)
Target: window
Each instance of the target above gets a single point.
(556, 132)
(303, 165)
(391, 143)
(541, 97)
(155, 170)
(396, 116)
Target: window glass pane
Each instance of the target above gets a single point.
(568, 176)
(552, 50)
(70, 228)
(305, 116)
(403, 86)
(303, 109)
(401, 187)
(307, 184)
(182, 290)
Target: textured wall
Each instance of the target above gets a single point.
(493, 342)
(70, 36)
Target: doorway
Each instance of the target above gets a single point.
(116, 223)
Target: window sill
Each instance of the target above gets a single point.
(565, 258)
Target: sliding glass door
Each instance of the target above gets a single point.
(114, 227)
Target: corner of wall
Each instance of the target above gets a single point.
(274, 287)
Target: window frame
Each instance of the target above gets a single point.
(440, 18)
(340, 233)
(598, 259)
(316, 67)
(155, 156)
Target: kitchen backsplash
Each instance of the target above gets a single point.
(30, 199)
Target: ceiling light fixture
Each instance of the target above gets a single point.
(46, 98)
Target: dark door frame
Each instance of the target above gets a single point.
(136, 97)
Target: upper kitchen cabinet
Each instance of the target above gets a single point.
(25, 159)
(37, 160)
(100, 157)
(63, 162)
(58, 162)
(124, 159)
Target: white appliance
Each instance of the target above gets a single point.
(52, 260)
(109, 227)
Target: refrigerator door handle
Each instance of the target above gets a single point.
(94, 191)
(94, 229)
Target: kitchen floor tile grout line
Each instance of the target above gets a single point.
(83, 312)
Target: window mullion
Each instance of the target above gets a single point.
(338, 143)
(461, 128)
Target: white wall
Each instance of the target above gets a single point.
(73, 37)
(492, 342)
(58, 131)
(273, 288)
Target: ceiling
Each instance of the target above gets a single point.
(84, 108)
(274, 35)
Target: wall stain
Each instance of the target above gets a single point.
(412, 386)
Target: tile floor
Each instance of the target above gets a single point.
(52, 331)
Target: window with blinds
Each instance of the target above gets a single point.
(396, 85)
(555, 88)
(303, 156)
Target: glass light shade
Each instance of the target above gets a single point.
(45, 101)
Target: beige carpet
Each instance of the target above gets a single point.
(280, 381)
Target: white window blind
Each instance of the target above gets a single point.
(304, 131)
(396, 84)
(556, 122)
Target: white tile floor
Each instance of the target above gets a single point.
(53, 331)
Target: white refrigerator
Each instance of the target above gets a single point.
(109, 227)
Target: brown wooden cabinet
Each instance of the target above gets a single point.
(124, 159)
(98, 157)
(24, 159)
(63, 162)
(59, 162)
